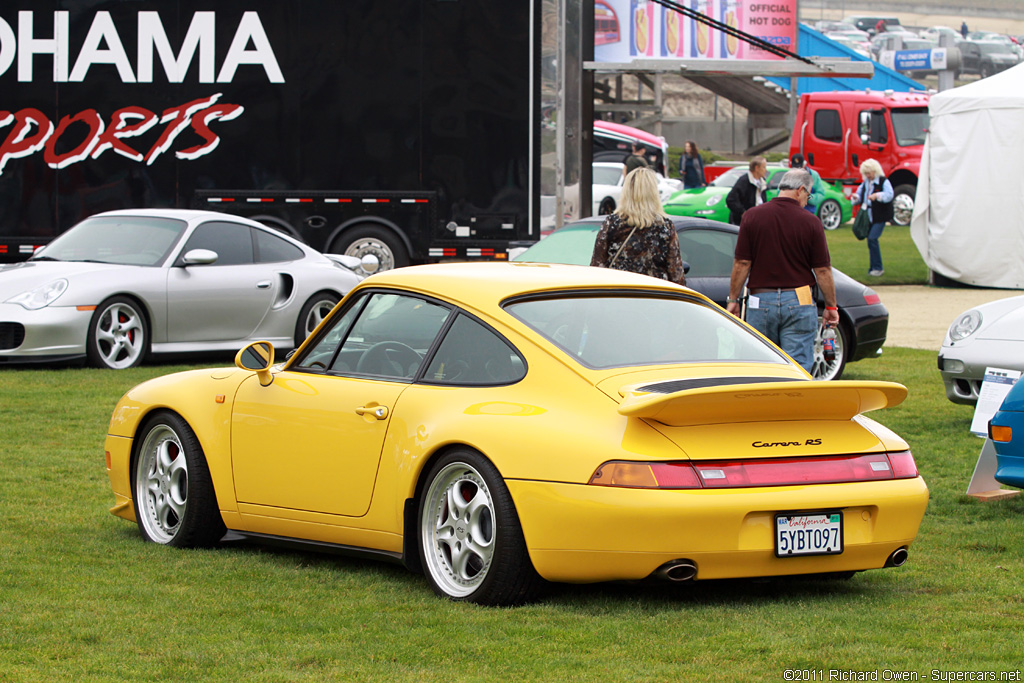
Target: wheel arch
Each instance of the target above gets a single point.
(902, 176)
(366, 221)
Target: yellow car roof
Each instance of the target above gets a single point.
(484, 284)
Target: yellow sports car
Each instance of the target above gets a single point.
(498, 425)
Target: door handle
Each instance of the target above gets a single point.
(379, 412)
(263, 284)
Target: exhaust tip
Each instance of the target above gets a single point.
(898, 558)
(677, 571)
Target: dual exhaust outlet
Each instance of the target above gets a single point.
(679, 571)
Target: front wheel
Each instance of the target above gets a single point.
(375, 241)
(829, 370)
(470, 541)
(831, 214)
(175, 503)
(118, 336)
(903, 204)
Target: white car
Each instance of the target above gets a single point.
(123, 284)
(990, 335)
(607, 186)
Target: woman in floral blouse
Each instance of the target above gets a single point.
(639, 237)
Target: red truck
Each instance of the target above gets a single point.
(837, 131)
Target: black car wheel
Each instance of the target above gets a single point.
(607, 207)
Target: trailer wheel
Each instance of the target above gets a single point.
(903, 204)
(372, 240)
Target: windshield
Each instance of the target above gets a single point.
(125, 240)
(614, 330)
(910, 125)
(995, 48)
(729, 178)
(607, 175)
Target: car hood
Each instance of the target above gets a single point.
(1002, 320)
(16, 278)
(697, 194)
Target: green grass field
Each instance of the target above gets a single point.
(83, 598)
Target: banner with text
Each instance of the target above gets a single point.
(641, 29)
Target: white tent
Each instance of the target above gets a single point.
(968, 219)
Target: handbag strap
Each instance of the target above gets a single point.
(623, 245)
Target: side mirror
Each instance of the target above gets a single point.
(686, 267)
(258, 356)
(199, 257)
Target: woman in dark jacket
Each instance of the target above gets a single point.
(639, 237)
(875, 196)
(691, 167)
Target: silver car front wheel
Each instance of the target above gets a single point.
(118, 334)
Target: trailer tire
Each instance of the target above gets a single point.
(371, 239)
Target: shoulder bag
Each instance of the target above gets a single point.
(861, 224)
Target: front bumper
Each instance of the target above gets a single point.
(579, 533)
(51, 333)
(963, 365)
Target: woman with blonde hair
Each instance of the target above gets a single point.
(639, 237)
(875, 196)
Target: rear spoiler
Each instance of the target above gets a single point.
(761, 402)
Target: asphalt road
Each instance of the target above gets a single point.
(919, 315)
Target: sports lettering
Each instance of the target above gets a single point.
(103, 45)
(30, 131)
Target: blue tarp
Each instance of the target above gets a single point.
(814, 44)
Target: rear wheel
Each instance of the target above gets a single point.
(903, 203)
(118, 336)
(175, 503)
(375, 241)
(986, 70)
(829, 370)
(831, 214)
(314, 310)
(471, 544)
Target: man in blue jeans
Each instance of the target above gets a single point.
(782, 248)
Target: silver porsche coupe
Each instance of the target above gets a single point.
(123, 284)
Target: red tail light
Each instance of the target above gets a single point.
(756, 473)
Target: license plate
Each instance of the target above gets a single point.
(818, 533)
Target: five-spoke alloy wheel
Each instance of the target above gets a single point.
(118, 334)
(174, 499)
(471, 544)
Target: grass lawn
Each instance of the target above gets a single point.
(901, 259)
(83, 598)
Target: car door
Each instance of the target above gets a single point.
(709, 252)
(311, 441)
(970, 57)
(221, 301)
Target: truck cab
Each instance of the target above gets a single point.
(837, 131)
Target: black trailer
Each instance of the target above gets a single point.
(407, 128)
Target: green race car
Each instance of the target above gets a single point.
(709, 202)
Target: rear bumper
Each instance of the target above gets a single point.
(578, 533)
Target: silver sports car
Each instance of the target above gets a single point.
(122, 284)
(990, 335)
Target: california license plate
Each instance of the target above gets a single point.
(818, 533)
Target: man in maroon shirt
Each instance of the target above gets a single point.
(782, 248)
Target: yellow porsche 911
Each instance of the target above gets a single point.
(498, 425)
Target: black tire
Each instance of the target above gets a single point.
(821, 370)
(831, 214)
(175, 503)
(986, 70)
(485, 560)
(118, 336)
(903, 203)
(607, 206)
(372, 239)
(313, 311)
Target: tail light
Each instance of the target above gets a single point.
(756, 473)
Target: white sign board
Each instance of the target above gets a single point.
(994, 388)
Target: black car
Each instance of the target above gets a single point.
(707, 247)
(985, 57)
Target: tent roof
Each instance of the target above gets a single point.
(1001, 90)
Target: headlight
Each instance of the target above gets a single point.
(965, 325)
(40, 297)
(714, 200)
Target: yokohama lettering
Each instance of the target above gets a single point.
(30, 131)
(102, 45)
